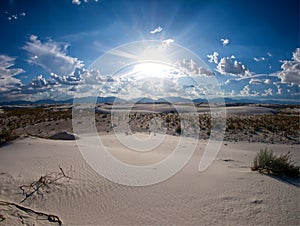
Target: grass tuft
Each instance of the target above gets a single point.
(267, 162)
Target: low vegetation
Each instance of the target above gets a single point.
(267, 162)
(44, 121)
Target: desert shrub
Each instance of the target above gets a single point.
(7, 135)
(178, 130)
(267, 162)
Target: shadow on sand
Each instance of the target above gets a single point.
(295, 181)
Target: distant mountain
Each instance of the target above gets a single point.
(149, 100)
(174, 100)
(142, 100)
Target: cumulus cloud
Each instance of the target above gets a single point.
(7, 73)
(192, 68)
(66, 80)
(268, 81)
(268, 92)
(227, 66)
(156, 30)
(224, 41)
(77, 2)
(213, 58)
(167, 42)
(255, 81)
(291, 69)
(39, 82)
(52, 56)
(245, 91)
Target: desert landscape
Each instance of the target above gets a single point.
(46, 181)
(149, 112)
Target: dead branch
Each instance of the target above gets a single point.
(44, 181)
(50, 217)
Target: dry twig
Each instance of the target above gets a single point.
(50, 217)
(44, 181)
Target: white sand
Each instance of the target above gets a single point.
(228, 193)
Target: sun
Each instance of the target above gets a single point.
(152, 69)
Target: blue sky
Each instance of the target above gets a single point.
(46, 47)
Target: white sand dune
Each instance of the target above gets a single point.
(166, 108)
(228, 193)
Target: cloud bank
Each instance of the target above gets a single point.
(7, 73)
(52, 56)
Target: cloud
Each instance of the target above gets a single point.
(16, 16)
(224, 41)
(167, 42)
(213, 57)
(39, 82)
(7, 79)
(291, 69)
(191, 68)
(227, 66)
(245, 91)
(65, 80)
(257, 59)
(268, 81)
(255, 81)
(268, 92)
(52, 56)
(156, 30)
(77, 2)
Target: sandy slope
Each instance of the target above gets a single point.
(228, 193)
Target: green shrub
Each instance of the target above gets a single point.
(267, 162)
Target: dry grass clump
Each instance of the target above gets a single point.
(267, 162)
(6, 135)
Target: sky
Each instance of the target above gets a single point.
(250, 47)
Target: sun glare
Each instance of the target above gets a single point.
(152, 69)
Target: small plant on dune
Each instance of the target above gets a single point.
(267, 162)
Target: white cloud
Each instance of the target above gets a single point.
(7, 79)
(255, 81)
(296, 55)
(224, 41)
(291, 69)
(268, 81)
(156, 30)
(227, 66)
(39, 82)
(279, 89)
(192, 68)
(245, 91)
(66, 80)
(268, 92)
(213, 57)
(77, 2)
(257, 59)
(269, 54)
(167, 42)
(52, 56)
(15, 16)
